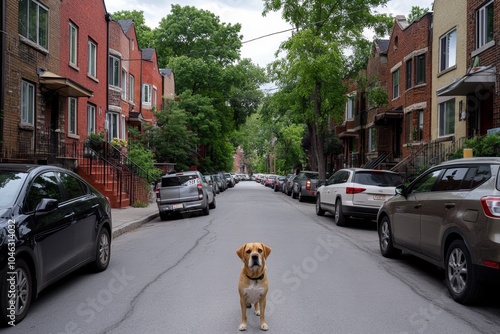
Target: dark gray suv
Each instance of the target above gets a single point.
(449, 216)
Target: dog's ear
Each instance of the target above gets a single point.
(241, 252)
(267, 251)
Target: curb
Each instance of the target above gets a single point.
(133, 224)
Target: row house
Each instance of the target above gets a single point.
(440, 77)
(69, 70)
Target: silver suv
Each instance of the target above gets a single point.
(185, 191)
(449, 216)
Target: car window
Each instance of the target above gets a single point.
(178, 180)
(74, 187)
(10, 184)
(452, 179)
(476, 176)
(380, 179)
(310, 176)
(341, 176)
(44, 186)
(427, 182)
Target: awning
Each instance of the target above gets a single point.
(64, 86)
(390, 114)
(135, 116)
(477, 79)
(346, 134)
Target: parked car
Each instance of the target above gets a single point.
(184, 192)
(220, 184)
(229, 180)
(211, 182)
(52, 222)
(304, 185)
(289, 184)
(356, 192)
(222, 177)
(278, 183)
(449, 216)
(270, 180)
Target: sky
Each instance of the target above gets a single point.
(249, 14)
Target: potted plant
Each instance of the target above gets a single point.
(119, 145)
(95, 140)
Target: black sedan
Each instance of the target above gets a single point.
(51, 223)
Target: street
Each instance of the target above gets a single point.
(181, 275)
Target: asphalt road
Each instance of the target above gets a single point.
(180, 276)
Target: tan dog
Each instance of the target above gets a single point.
(253, 284)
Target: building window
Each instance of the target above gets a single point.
(372, 139)
(114, 71)
(27, 103)
(155, 96)
(91, 119)
(448, 50)
(113, 122)
(124, 85)
(73, 44)
(72, 115)
(409, 69)
(395, 84)
(146, 94)
(92, 59)
(349, 109)
(420, 69)
(34, 22)
(484, 25)
(420, 132)
(446, 118)
(131, 84)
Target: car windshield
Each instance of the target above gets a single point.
(380, 179)
(10, 184)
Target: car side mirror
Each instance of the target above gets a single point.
(46, 205)
(401, 190)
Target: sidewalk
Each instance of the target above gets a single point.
(130, 218)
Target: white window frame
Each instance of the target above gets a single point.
(349, 107)
(72, 116)
(92, 59)
(73, 45)
(38, 31)
(113, 123)
(396, 83)
(123, 128)
(114, 71)
(27, 103)
(124, 85)
(154, 97)
(372, 139)
(446, 118)
(484, 26)
(146, 94)
(448, 50)
(131, 84)
(91, 119)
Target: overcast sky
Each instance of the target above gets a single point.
(246, 12)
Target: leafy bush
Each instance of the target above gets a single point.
(485, 146)
(144, 158)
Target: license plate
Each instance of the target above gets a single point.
(379, 197)
(178, 206)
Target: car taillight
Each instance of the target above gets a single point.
(491, 206)
(308, 185)
(354, 190)
(200, 190)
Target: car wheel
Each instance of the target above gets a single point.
(385, 239)
(206, 210)
(23, 293)
(294, 194)
(340, 220)
(163, 216)
(319, 210)
(212, 205)
(460, 275)
(301, 197)
(103, 252)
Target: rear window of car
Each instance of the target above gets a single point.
(380, 179)
(178, 180)
(308, 175)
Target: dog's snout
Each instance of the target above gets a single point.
(255, 257)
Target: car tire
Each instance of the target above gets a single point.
(103, 251)
(294, 194)
(24, 294)
(460, 275)
(301, 197)
(206, 210)
(163, 215)
(319, 210)
(213, 204)
(385, 239)
(340, 219)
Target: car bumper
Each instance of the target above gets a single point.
(360, 212)
(181, 207)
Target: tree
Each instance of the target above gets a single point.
(416, 13)
(313, 66)
(143, 32)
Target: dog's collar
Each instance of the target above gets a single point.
(256, 278)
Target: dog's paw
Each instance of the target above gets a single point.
(243, 327)
(257, 313)
(264, 327)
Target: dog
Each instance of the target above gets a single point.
(253, 284)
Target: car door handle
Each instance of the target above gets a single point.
(70, 216)
(449, 205)
(418, 206)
